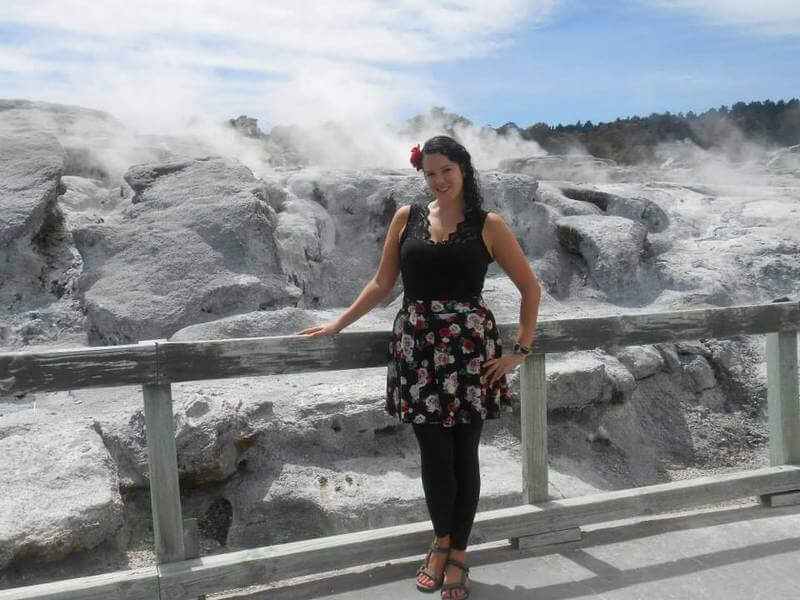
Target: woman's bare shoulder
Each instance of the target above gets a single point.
(400, 220)
(494, 222)
(401, 215)
(496, 232)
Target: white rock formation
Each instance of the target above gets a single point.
(198, 247)
(195, 241)
(60, 488)
(30, 182)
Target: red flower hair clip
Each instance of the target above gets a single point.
(416, 157)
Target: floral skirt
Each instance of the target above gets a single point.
(435, 364)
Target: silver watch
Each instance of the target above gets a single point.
(520, 349)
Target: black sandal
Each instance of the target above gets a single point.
(461, 585)
(423, 570)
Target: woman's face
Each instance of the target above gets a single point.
(444, 177)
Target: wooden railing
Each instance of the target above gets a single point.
(157, 364)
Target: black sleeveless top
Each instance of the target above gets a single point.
(451, 269)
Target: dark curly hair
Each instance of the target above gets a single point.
(447, 146)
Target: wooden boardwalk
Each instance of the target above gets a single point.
(180, 574)
(744, 552)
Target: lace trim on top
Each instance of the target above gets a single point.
(467, 230)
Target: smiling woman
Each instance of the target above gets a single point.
(444, 177)
(446, 367)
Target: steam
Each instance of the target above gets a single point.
(357, 145)
(733, 161)
(769, 17)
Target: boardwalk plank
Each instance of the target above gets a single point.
(137, 584)
(189, 579)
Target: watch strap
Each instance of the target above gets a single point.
(520, 349)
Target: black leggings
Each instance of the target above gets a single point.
(451, 477)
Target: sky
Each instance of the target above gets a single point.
(159, 65)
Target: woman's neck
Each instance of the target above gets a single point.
(447, 207)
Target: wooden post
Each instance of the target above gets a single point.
(782, 398)
(163, 460)
(533, 393)
(191, 538)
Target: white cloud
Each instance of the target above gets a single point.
(768, 17)
(287, 61)
(160, 66)
(15, 63)
(412, 30)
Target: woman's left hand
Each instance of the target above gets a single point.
(497, 367)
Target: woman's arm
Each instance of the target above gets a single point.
(507, 252)
(376, 288)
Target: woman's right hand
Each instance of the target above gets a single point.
(319, 330)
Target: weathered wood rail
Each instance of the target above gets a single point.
(157, 364)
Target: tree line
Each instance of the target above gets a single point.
(634, 139)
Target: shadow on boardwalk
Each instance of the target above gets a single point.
(733, 553)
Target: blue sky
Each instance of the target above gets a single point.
(158, 64)
(630, 58)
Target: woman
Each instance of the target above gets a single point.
(447, 371)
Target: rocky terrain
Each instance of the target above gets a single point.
(107, 237)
